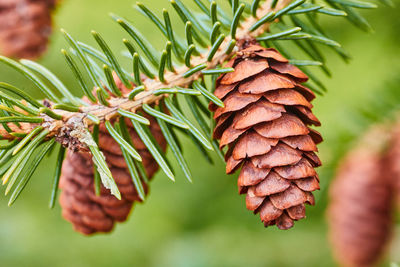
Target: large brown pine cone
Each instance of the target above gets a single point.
(359, 212)
(25, 27)
(90, 213)
(264, 124)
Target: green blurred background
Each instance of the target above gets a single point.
(205, 223)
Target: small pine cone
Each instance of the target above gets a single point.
(359, 213)
(393, 160)
(264, 124)
(25, 27)
(90, 213)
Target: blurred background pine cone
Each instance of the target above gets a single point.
(25, 27)
(393, 160)
(360, 209)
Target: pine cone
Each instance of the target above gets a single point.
(393, 160)
(90, 213)
(360, 205)
(25, 27)
(52, 3)
(264, 124)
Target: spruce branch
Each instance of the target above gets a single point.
(180, 69)
(148, 96)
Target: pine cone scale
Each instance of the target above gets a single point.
(290, 70)
(251, 175)
(285, 126)
(252, 144)
(271, 184)
(268, 212)
(287, 97)
(265, 82)
(302, 142)
(280, 155)
(243, 70)
(236, 101)
(259, 112)
(297, 212)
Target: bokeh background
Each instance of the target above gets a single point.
(205, 223)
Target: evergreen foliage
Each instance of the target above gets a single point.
(186, 68)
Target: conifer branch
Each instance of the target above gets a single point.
(172, 80)
(156, 79)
